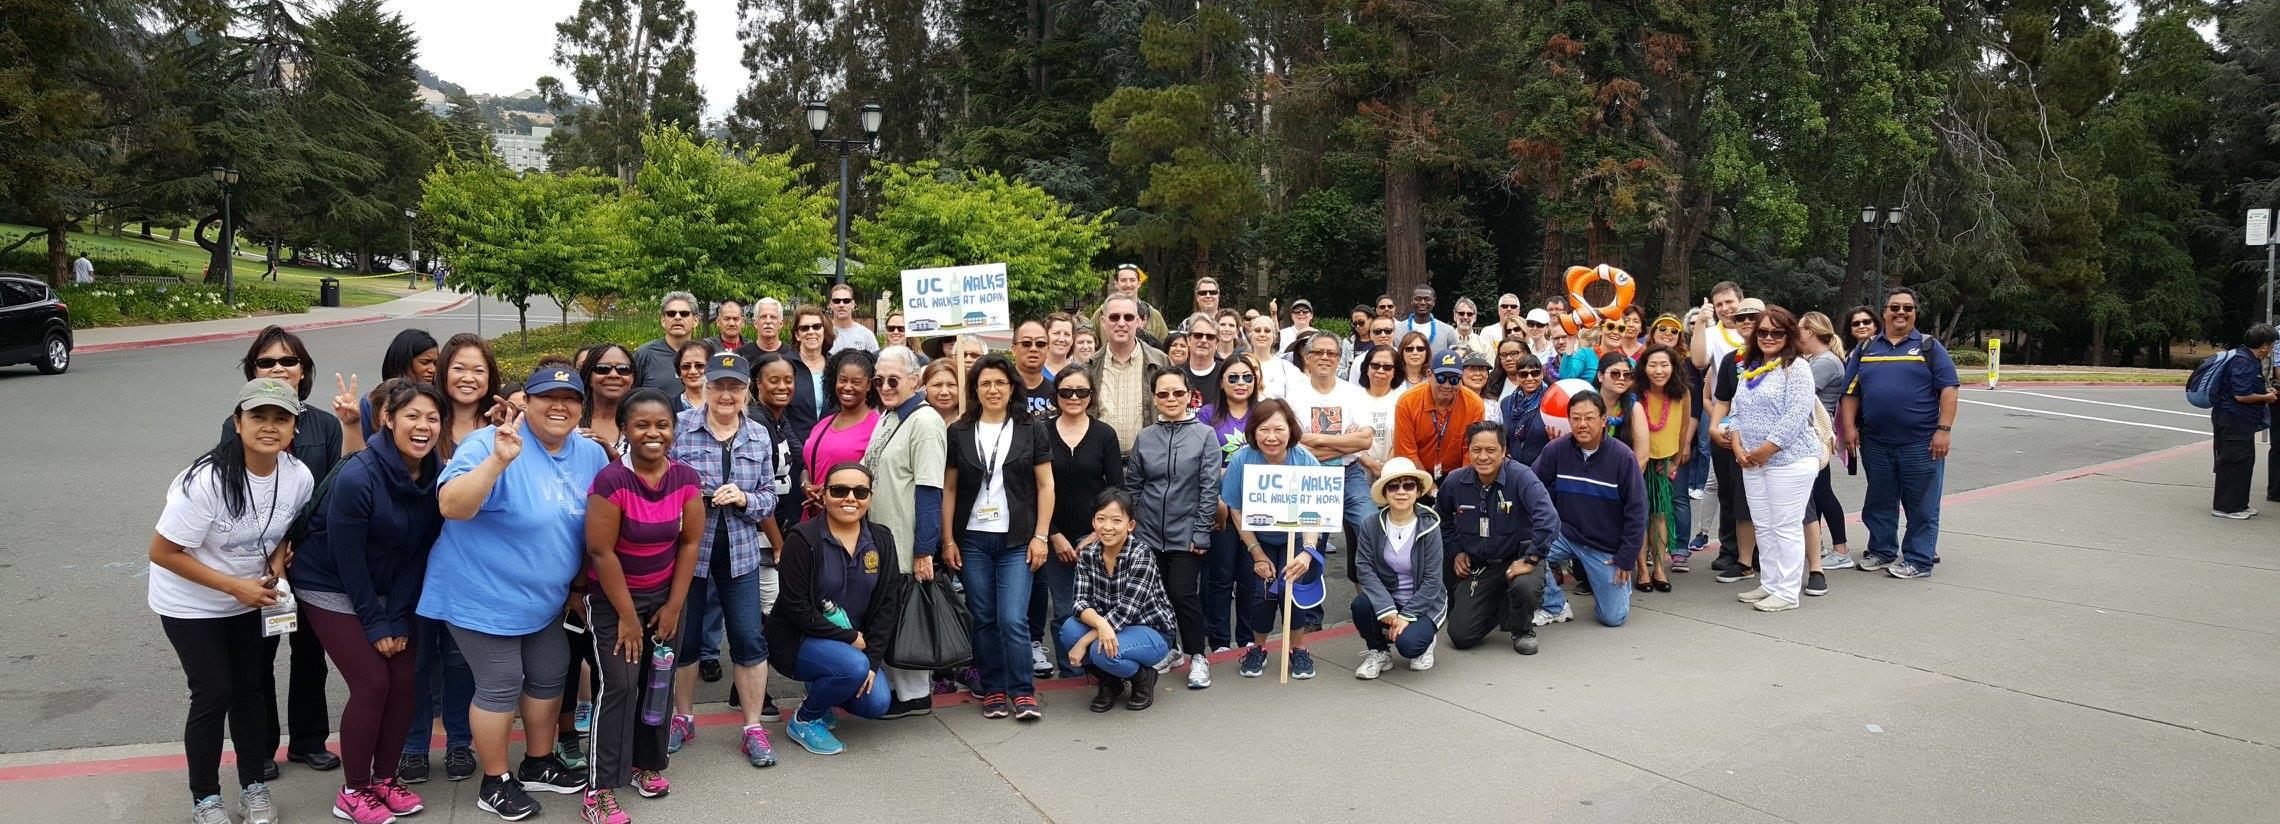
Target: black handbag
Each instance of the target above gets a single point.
(932, 630)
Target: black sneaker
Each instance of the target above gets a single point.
(1525, 642)
(906, 708)
(1735, 573)
(768, 711)
(269, 771)
(709, 670)
(1816, 584)
(504, 798)
(459, 763)
(412, 768)
(319, 760)
(1723, 563)
(547, 774)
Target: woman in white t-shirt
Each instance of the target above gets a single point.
(213, 569)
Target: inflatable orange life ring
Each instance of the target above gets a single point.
(1582, 314)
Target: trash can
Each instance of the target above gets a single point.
(328, 292)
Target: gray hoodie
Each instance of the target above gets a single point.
(1172, 474)
(1377, 580)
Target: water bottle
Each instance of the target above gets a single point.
(837, 616)
(653, 705)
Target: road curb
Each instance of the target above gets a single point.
(247, 333)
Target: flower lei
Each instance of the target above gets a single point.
(1662, 418)
(1753, 377)
(1731, 339)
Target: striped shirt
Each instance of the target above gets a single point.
(651, 525)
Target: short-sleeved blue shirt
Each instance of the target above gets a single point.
(507, 570)
(2243, 376)
(1231, 483)
(1899, 387)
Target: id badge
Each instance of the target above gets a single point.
(283, 617)
(1484, 526)
(987, 514)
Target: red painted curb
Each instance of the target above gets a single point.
(2086, 385)
(247, 333)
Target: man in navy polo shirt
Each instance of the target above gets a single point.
(1901, 387)
(2241, 398)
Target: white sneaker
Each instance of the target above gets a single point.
(1374, 663)
(1773, 605)
(2242, 515)
(1199, 672)
(1172, 660)
(1039, 661)
(1753, 596)
(1837, 560)
(1542, 618)
(1424, 662)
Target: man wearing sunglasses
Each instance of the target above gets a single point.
(1202, 360)
(1207, 295)
(1120, 371)
(1430, 421)
(1507, 317)
(846, 333)
(1126, 283)
(657, 364)
(1901, 388)
(1029, 362)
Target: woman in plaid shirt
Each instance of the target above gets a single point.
(1122, 615)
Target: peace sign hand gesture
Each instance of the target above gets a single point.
(506, 441)
(344, 404)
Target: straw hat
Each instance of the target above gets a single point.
(1401, 468)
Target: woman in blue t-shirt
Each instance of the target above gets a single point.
(514, 504)
(1272, 432)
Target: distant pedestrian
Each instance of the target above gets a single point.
(2241, 396)
(1900, 394)
(82, 270)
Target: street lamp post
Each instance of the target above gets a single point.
(819, 120)
(227, 178)
(411, 255)
(1878, 219)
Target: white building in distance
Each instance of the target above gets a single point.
(522, 151)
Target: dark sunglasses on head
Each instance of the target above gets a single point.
(1168, 394)
(679, 313)
(1074, 394)
(860, 493)
(288, 362)
(1403, 485)
(625, 369)
(1900, 308)
(1447, 380)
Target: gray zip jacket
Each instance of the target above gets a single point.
(1377, 580)
(1172, 474)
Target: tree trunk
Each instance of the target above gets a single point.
(522, 320)
(146, 230)
(59, 254)
(1549, 267)
(363, 261)
(1861, 242)
(2098, 341)
(174, 234)
(1404, 230)
(214, 259)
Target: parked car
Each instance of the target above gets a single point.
(35, 326)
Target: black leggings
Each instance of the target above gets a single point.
(1183, 585)
(1830, 510)
(228, 664)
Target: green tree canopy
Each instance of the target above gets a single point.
(929, 216)
(720, 226)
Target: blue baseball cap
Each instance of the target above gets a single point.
(1310, 591)
(1448, 362)
(550, 378)
(728, 366)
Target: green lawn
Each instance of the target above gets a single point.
(189, 261)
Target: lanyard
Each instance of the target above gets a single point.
(275, 480)
(990, 459)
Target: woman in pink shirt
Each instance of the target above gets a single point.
(845, 435)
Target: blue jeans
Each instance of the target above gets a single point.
(715, 633)
(1611, 602)
(738, 599)
(1902, 478)
(833, 672)
(997, 593)
(437, 657)
(1229, 587)
(1414, 640)
(1136, 647)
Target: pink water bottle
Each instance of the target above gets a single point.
(653, 705)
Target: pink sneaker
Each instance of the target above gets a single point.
(602, 808)
(396, 797)
(651, 783)
(361, 807)
(682, 729)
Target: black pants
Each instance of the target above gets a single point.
(622, 742)
(305, 712)
(1487, 601)
(2236, 462)
(1183, 585)
(2272, 472)
(1733, 504)
(581, 653)
(1825, 506)
(227, 662)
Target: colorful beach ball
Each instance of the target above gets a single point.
(1555, 406)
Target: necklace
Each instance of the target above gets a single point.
(1732, 340)
(1662, 418)
(1753, 377)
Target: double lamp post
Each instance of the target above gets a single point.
(818, 121)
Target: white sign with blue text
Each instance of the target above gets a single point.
(956, 300)
(1293, 498)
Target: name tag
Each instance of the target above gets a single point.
(283, 617)
(988, 513)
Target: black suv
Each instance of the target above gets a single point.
(35, 327)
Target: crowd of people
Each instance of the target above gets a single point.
(578, 548)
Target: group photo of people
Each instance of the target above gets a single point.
(768, 491)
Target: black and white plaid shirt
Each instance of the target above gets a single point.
(1132, 596)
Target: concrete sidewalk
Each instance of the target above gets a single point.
(2094, 648)
(115, 338)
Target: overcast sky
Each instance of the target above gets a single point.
(496, 47)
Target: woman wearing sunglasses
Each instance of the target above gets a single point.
(1522, 411)
(1779, 453)
(1000, 475)
(1397, 561)
(1416, 353)
(690, 365)
(1618, 385)
(1228, 587)
(1273, 439)
(609, 372)
(1504, 377)
(1172, 474)
(1085, 464)
(1861, 324)
(835, 618)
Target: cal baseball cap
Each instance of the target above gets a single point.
(1539, 317)
(1448, 362)
(261, 392)
(548, 379)
(728, 366)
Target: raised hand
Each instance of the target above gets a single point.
(344, 404)
(506, 441)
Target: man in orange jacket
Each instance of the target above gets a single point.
(1429, 421)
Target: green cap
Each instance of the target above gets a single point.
(261, 392)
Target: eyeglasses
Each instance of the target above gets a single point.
(1168, 394)
(894, 329)
(1403, 485)
(1322, 353)
(808, 327)
(1412, 349)
(1074, 394)
(1207, 293)
(679, 313)
(1900, 308)
(1466, 313)
(1203, 336)
(1302, 311)
(1772, 334)
(1447, 380)
(1512, 306)
(1030, 343)
(1381, 332)
(625, 369)
(1619, 374)
(1530, 373)
(288, 362)
(1122, 317)
(692, 367)
(860, 493)
(839, 301)
(1378, 366)
(1240, 378)
(1863, 322)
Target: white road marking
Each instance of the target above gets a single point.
(2193, 432)
(2202, 415)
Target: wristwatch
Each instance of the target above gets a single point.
(1945, 428)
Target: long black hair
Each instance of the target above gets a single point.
(398, 393)
(404, 349)
(586, 373)
(227, 459)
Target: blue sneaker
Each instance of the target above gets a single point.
(1301, 664)
(813, 736)
(1254, 661)
(1907, 570)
